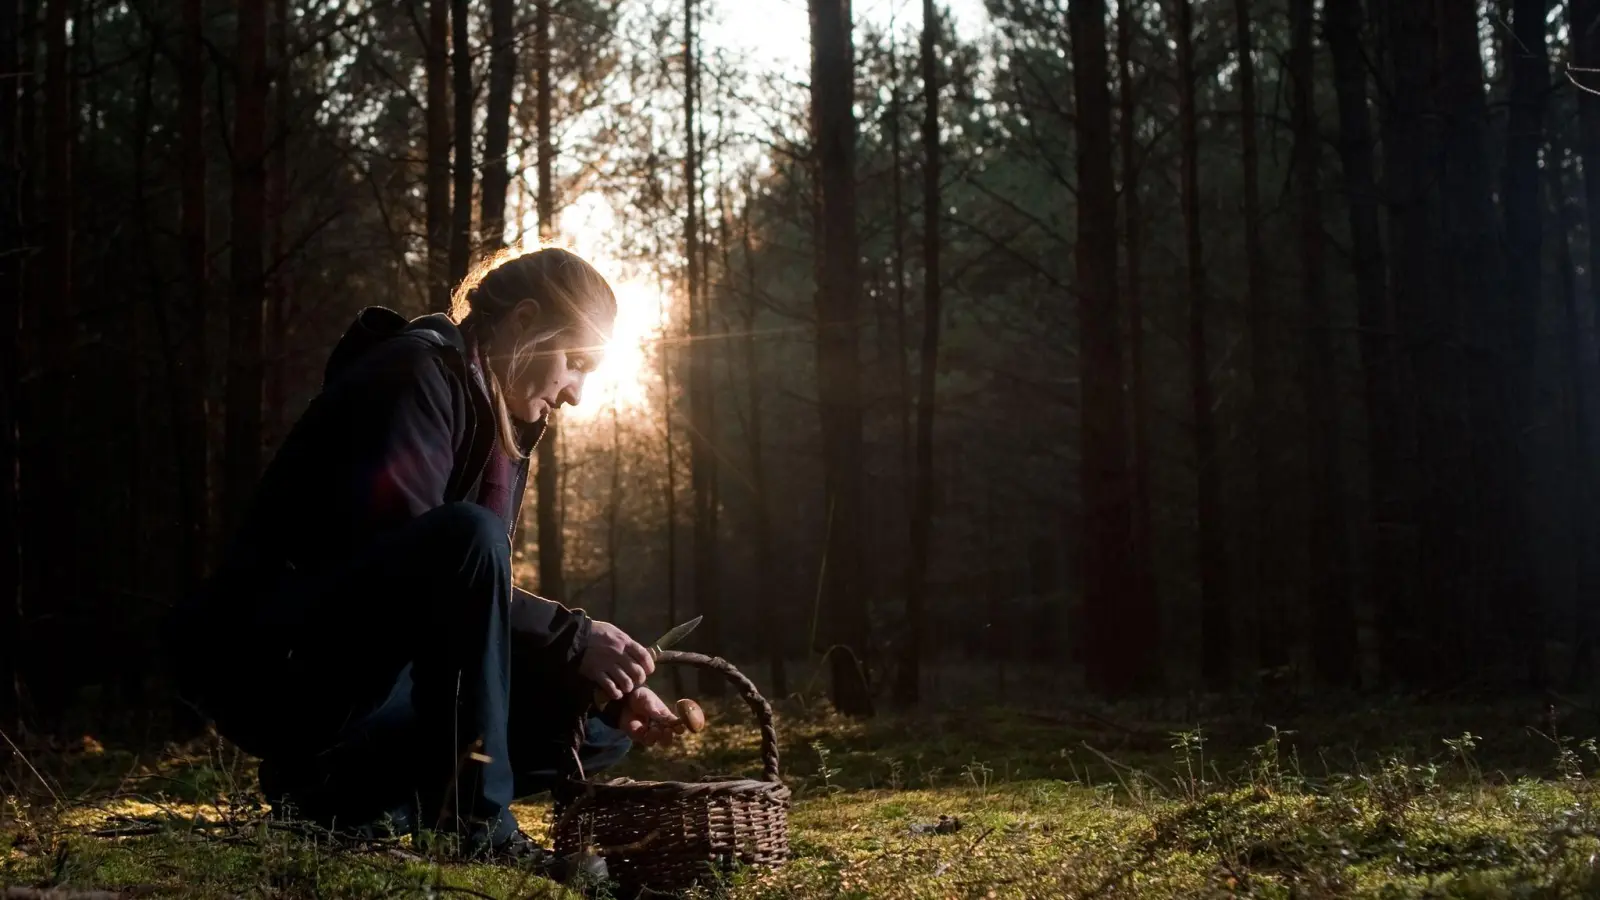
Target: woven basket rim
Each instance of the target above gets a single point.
(711, 784)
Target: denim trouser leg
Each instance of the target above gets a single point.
(403, 695)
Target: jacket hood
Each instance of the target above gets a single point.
(377, 323)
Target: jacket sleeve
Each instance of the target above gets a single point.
(551, 638)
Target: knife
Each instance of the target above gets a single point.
(674, 634)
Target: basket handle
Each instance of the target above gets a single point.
(747, 689)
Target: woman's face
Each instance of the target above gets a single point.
(549, 375)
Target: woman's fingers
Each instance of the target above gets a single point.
(642, 656)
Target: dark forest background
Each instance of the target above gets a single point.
(1129, 348)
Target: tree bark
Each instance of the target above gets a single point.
(277, 200)
(1421, 638)
(1121, 623)
(1270, 588)
(766, 570)
(552, 578)
(1216, 636)
(907, 689)
(1583, 28)
(1133, 244)
(497, 123)
(461, 205)
(1391, 574)
(245, 314)
(193, 413)
(838, 306)
(702, 461)
(1502, 607)
(12, 240)
(1333, 633)
(1522, 201)
(436, 66)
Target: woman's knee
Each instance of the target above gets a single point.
(467, 529)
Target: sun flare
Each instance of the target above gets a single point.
(623, 377)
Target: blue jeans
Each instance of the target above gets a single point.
(392, 688)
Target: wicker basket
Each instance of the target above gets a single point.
(668, 836)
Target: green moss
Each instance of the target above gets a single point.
(1046, 810)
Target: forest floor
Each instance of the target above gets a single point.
(1391, 799)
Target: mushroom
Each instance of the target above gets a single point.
(692, 715)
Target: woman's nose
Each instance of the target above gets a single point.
(572, 394)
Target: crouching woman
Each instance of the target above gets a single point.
(363, 636)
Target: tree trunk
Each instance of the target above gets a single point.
(552, 580)
(1270, 586)
(193, 412)
(1502, 607)
(1216, 644)
(702, 459)
(436, 66)
(1121, 622)
(902, 358)
(1583, 27)
(1422, 639)
(12, 240)
(497, 124)
(907, 688)
(766, 570)
(667, 410)
(1333, 632)
(277, 191)
(613, 510)
(838, 305)
(1133, 241)
(1390, 582)
(49, 455)
(461, 205)
(243, 440)
(1579, 374)
(1524, 238)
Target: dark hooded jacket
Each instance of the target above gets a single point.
(403, 424)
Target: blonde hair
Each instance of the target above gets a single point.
(568, 291)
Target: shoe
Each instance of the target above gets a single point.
(522, 851)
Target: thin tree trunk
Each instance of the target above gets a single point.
(1522, 201)
(193, 413)
(1121, 621)
(1501, 604)
(702, 460)
(1579, 367)
(552, 580)
(1333, 633)
(243, 441)
(461, 205)
(52, 452)
(1421, 636)
(277, 190)
(667, 408)
(436, 66)
(1265, 525)
(12, 239)
(1133, 240)
(1390, 582)
(766, 581)
(902, 358)
(1583, 28)
(838, 306)
(908, 685)
(497, 124)
(613, 509)
(1215, 623)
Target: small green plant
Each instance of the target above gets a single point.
(1190, 749)
(978, 774)
(824, 771)
(1266, 763)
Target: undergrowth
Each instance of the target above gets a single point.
(1393, 801)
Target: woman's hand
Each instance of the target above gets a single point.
(647, 721)
(616, 663)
